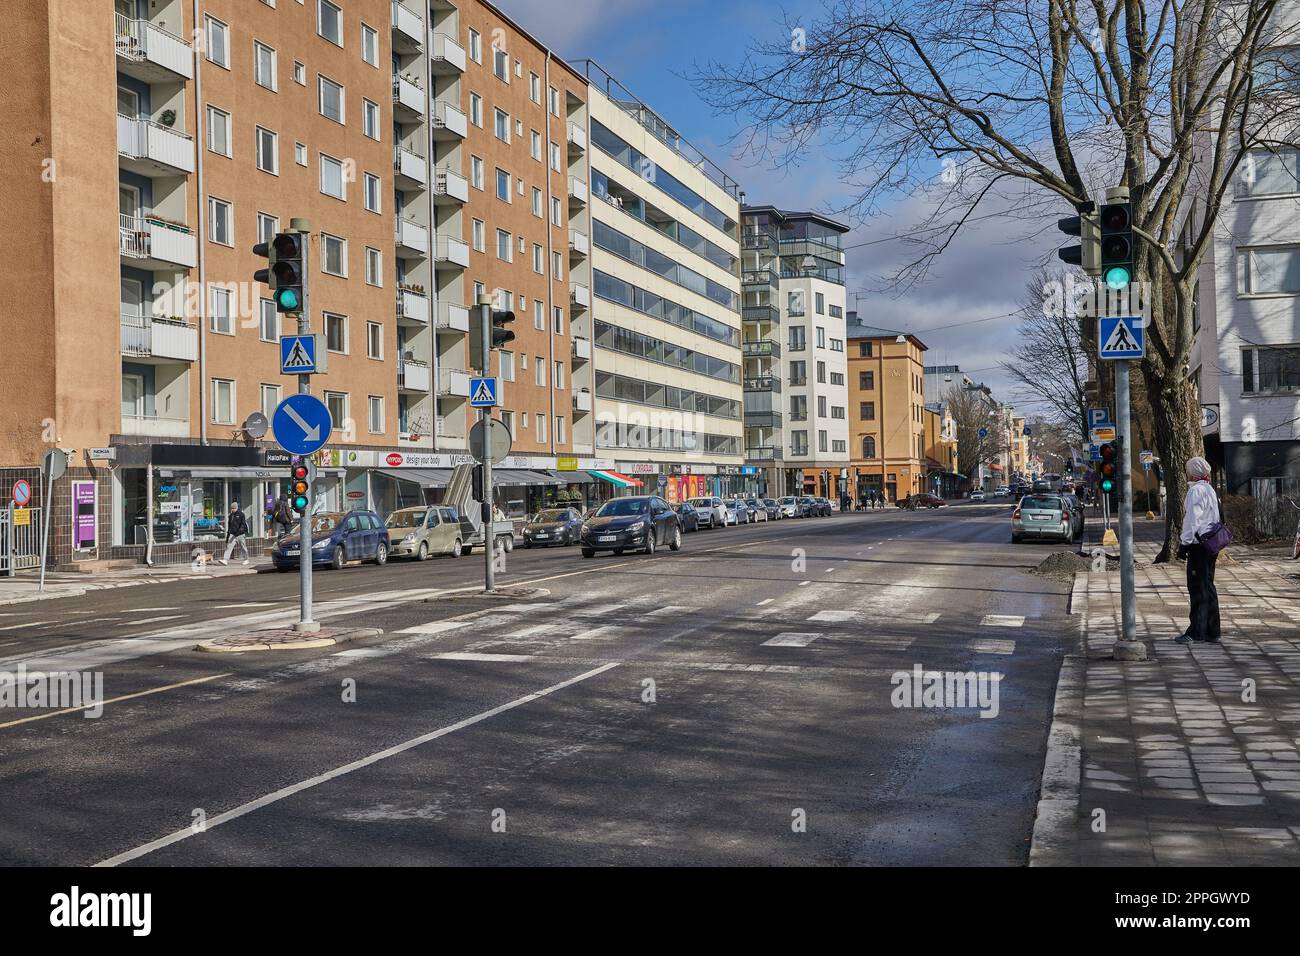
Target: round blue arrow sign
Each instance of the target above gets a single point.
(984, 433)
(302, 424)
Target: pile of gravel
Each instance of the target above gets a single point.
(1062, 564)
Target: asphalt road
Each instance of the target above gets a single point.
(729, 703)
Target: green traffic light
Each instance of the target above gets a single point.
(300, 503)
(1117, 277)
(1108, 486)
(287, 299)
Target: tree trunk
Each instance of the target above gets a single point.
(1176, 419)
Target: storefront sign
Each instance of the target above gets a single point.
(102, 454)
(566, 463)
(356, 495)
(85, 515)
(641, 468)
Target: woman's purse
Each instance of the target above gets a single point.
(1215, 539)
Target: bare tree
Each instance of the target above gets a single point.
(970, 409)
(967, 99)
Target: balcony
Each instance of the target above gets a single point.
(577, 138)
(451, 253)
(449, 123)
(450, 188)
(761, 313)
(762, 418)
(760, 278)
(453, 317)
(412, 376)
(412, 307)
(582, 403)
(151, 243)
(150, 149)
(408, 100)
(581, 349)
(410, 171)
(763, 383)
(412, 239)
(154, 341)
(155, 426)
(150, 53)
(577, 191)
(763, 453)
(761, 348)
(448, 57)
(453, 382)
(408, 29)
(579, 243)
(580, 295)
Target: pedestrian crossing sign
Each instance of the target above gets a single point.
(298, 354)
(482, 392)
(1121, 337)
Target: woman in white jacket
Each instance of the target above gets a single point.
(1200, 512)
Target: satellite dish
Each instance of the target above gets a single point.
(256, 425)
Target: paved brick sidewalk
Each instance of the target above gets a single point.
(59, 584)
(1191, 757)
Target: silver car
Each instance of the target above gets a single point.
(712, 512)
(1058, 517)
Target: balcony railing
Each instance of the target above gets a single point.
(762, 348)
(582, 401)
(577, 189)
(761, 313)
(413, 306)
(413, 237)
(579, 243)
(408, 97)
(763, 383)
(763, 453)
(760, 277)
(581, 296)
(408, 28)
(582, 348)
(154, 426)
(451, 187)
(153, 143)
(146, 337)
(410, 165)
(449, 122)
(413, 376)
(452, 252)
(577, 137)
(452, 317)
(151, 47)
(758, 240)
(448, 55)
(158, 244)
(453, 381)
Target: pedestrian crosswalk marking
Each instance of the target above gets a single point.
(471, 656)
(992, 647)
(791, 639)
(1003, 620)
(832, 617)
(150, 620)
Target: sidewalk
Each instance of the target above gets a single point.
(1190, 757)
(60, 584)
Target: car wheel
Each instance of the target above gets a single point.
(528, 545)
(466, 550)
(1016, 539)
(509, 543)
(337, 558)
(381, 554)
(676, 543)
(588, 552)
(618, 551)
(423, 553)
(650, 543)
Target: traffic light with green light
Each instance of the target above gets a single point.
(301, 476)
(1109, 469)
(286, 272)
(1115, 221)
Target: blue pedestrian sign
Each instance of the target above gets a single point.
(482, 392)
(297, 354)
(1121, 337)
(302, 424)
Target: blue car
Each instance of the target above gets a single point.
(337, 538)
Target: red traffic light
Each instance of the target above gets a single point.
(1115, 217)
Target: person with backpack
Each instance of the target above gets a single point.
(236, 533)
(1203, 536)
(282, 516)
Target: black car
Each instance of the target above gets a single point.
(823, 506)
(640, 522)
(808, 508)
(553, 526)
(689, 517)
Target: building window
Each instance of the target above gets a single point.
(336, 333)
(268, 151)
(798, 373)
(537, 203)
(477, 235)
(476, 110)
(822, 441)
(505, 247)
(554, 96)
(539, 260)
(374, 341)
(218, 42)
(268, 321)
(501, 125)
(329, 22)
(267, 226)
(539, 372)
(331, 99)
(539, 315)
(837, 378)
(1270, 370)
(555, 157)
(501, 64)
(219, 131)
(222, 321)
(507, 365)
(535, 87)
(372, 192)
(541, 428)
(264, 66)
(867, 411)
(370, 118)
(337, 403)
(503, 184)
(797, 340)
(369, 45)
(557, 266)
(866, 381)
(375, 418)
(865, 349)
(558, 317)
(508, 419)
(331, 177)
(837, 411)
(221, 221)
(799, 444)
(795, 303)
(475, 45)
(374, 266)
(300, 153)
(1268, 172)
(333, 255)
(819, 303)
(223, 401)
(821, 337)
(821, 408)
(868, 446)
(1269, 271)
(837, 345)
(559, 430)
(557, 212)
(300, 72)
(270, 395)
(557, 376)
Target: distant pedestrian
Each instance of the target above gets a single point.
(236, 533)
(1200, 513)
(282, 516)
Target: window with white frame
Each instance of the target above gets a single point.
(1270, 370)
(478, 236)
(268, 150)
(269, 399)
(476, 110)
(300, 72)
(559, 430)
(557, 376)
(555, 157)
(370, 118)
(535, 146)
(221, 221)
(369, 44)
(505, 247)
(264, 66)
(535, 87)
(507, 365)
(331, 177)
(329, 21)
(508, 419)
(222, 320)
(557, 212)
(375, 341)
(554, 101)
(558, 321)
(268, 324)
(374, 266)
(539, 371)
(267, 226)
(223, 401)
(217, 45)
(537, 203)
(1268, 270)
(373, 193)
(333, 255)
(219, 131)
(336, 333)
(501, 125)
(476, 172)
(539, 258)
(331, 99)
(475, 45)
(557, 266)
(375, 414)
(501, 63)
(300, 153)
(1264, 172)
(503, 185)
(541, 427)
(539, 315)
(337, 403)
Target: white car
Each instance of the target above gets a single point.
(712, 512)
(789, 506)
(977, 496)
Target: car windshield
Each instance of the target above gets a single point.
(554, 515)
(405, 519)
(768, 502)
(701, 502)
(325, 522)
(1040, 502)
(623, 507)
(787, 501)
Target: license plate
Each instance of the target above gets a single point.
(292, 554)
(1040, 517)
(609, 537)
(540, 535)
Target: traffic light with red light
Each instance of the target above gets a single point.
(301, 477)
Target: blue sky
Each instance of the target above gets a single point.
(648, 46)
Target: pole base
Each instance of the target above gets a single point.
(307, 627)
(1130, 651)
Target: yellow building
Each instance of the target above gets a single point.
(886, 411)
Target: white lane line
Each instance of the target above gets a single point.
(142, 610)
(1003, 620)
(832, 617)
(593, 633)
(227, 607)
(992, 647)
(14, 627)
(481, 656)
(829, 570)
(535, 631)
(804, 583)
(149, 620)
(930, 618)
(791, 639)
(668, 609)
(337, 772)
(764, 601)
(362, 652)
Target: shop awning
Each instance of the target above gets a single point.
(569, 477)
(520, 476)
(615, 478)
(424, 477)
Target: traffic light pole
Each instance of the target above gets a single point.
(485, 417)
(305, 553)
(1127, 648)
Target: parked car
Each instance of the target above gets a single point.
(977, 495)
(688, 516)
(790, 507)
(712, 512)
(772, 508)
(737, 511)
(422, 531)
(337, 538)
(925, 500)
(757, 509)
(824, 507)
(807, 509)
(1047, 516)
(640, 522)
(553, 526)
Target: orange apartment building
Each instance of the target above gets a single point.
(887, 434)
(437, 150)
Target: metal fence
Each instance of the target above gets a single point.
(20, 540)
(1274, 517)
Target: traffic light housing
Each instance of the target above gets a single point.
(286, 272)
(1087, 254)
(499, 335)
(302, 475)
(1109, 470)
(1115, 221)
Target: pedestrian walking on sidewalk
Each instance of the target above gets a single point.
(1200, 513)
(282, 516)
(236, 533)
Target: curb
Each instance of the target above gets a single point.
(250, 642)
